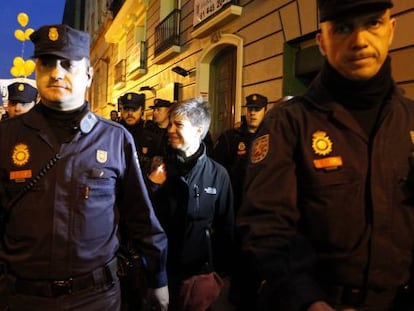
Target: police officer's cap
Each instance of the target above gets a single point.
(62, 41)
(21, 92)
(333, 9)
(132, 100)
(256, 101)
(159, 103)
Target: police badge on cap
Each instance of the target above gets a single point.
(62, 41)
(159, 103)
(132, 100)
(256, 101)
(333, 9)
(21, 92)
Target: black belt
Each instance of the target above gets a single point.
(102, 277)
(355, 297)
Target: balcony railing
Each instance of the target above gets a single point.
(167, 33)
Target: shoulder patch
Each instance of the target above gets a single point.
(260, 148)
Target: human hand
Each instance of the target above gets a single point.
(160, 298)
(158, 173)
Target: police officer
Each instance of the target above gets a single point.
(232, 151)
(160, 114)
(132, 107)
(232, 147)
(147, 143)
(22, 97)
(66, 177)
(160, 122)
(327, 215)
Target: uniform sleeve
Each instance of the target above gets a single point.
(141, 227)
(221, 151)
(269, 216)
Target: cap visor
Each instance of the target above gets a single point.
(58, 54)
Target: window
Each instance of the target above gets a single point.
(301, 63)
(137, 54)
(166, 7)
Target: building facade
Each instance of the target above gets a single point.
(222, 50)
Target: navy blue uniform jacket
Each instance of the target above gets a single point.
(231, 150)
(67, 224)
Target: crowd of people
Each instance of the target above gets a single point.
(304, 206)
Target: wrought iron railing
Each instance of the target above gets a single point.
(167, 33)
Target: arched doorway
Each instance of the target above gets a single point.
(212, 62)
(222, 86)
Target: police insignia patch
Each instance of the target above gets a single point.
(260, 148)
(101, 156)
(321, 143)
(20, 154)
(53, 34)
(241, 148)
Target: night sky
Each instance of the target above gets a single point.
(40, 12)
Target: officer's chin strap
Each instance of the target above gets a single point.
(88, 122)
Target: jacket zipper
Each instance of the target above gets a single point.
(197, 199)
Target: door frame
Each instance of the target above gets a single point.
(212, 48)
